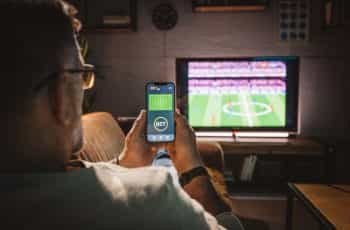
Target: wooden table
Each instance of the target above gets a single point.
(329, 204)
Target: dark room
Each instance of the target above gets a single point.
(175, 114)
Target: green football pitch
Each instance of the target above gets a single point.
(237, 110)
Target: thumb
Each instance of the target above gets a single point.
(139, 125)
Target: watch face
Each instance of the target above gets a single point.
(164, 17)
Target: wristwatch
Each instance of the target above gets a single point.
(188, 176)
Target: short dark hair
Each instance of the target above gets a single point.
(34, 33)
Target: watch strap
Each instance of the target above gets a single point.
(188, 176)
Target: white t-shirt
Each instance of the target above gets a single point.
(101, 196)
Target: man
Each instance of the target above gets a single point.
(43, 81)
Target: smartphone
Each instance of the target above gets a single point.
(160, 104)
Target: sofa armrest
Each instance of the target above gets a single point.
(212, 155)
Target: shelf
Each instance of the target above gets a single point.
(214, 9)
(107, 30)
(208, 6)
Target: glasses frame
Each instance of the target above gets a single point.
(87, 71)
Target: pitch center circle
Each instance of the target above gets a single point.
(229, 108)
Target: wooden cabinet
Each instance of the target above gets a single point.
(295, 160)
(107, 14)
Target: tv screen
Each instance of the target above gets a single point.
(256, 93)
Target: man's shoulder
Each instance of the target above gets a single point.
(142, 173)
(137, 183)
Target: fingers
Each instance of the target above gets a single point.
(180, 119)
(182, 124)
(183, 127)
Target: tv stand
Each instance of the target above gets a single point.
(232, 138)
(275, 140)
(299, 160)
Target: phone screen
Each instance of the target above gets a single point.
(160, 99)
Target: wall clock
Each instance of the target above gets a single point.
(164, 17)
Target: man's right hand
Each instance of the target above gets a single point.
(183, 151)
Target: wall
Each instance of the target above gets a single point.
(136, 58)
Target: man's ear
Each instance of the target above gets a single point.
(60, 102)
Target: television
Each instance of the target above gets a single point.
(239, 94)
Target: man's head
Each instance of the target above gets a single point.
(41, 85)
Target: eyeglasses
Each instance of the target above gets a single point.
(87, 72)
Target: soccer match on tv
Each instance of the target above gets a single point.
(237, 94)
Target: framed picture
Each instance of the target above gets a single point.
(107, 15)
(294, 20)
(334, 13)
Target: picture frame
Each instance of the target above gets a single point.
(334, 13)
(107, 15)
